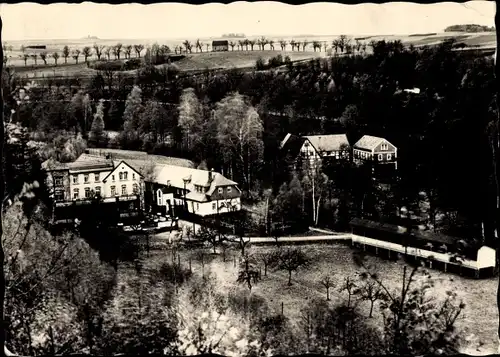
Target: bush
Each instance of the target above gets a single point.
(108, 66)
(259, 64)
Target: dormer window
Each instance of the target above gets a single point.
(220, 190)
(384, 147)
(229, 190)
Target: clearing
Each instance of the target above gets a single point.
(478, 321)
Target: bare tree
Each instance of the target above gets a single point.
(304, 45)
(271, 44)
(43, 56)
(199, 45)
(128, 51)
(293, 44)
(138, 49)
(283, 44)
(35, 58)
(370, 291)
(55, 56)
(232, 44)
(350, 287)
(98, 49)
(117, 50)
(107, 51)
(86, 52)
(207, 45)
(248, 273)
(267, 258)
(25, 58)
(188, 46)
(66, 52)
(328, 283)
(290, 260)
(76, 55)
(251, 43)
(241, 43)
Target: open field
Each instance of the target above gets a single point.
(192, 62)
(479, 320)
(214, 60)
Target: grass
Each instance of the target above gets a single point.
(479, 317)
(237, 59)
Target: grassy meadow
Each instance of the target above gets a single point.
(478, 321)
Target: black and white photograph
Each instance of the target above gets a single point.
(250, 179)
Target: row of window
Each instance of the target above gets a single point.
(202, 189)
(97, 190)
(86, 178)
(365, 155)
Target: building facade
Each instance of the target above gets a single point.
(91, 178)
(200, 192)
(218, 46)
(376, 150)
(314, 149)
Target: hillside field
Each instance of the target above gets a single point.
(478, 321)
(218, 60)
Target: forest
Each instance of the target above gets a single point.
(233, 121)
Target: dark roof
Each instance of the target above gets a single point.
(333, 142)
(220, 43)
(292, 145)
(391, 228)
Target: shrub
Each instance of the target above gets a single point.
(259, 64)
(108, 66)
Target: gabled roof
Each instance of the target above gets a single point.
(332, 142)
(117, 165)
(196, 196)
(291, 145)
(175, 175)
(220, 43)
(368, 142)
(53, 165)
(87, 161)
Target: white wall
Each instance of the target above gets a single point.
(486, 257)
(92, 184)
(209, 208)
(443, 257)
(114, 180)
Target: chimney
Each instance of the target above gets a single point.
(210, 175)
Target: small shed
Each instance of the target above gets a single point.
(221, 45)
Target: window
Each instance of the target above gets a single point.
(75, 179)
(389, 157)
(220, 190)
(133, 176)
(113, 177)
(214, 206)
(87, 192)
(125, 175)
(384, 147)
(98, 190)
(96, 177)
(76, 193)
(136, 188)
(113, 190)
(229, 190)
(124, 189)
(197, 206)
(380, 157)
(59, 195)
(120, 175)
(86, 178)
(59, 181)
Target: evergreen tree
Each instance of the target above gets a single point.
(97, 134)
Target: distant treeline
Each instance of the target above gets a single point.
(469, 28)
(423, 34)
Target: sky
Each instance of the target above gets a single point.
(26, 21)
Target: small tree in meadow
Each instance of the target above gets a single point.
(349, 286)
(291, 260)
(328, 283)
(370, 291)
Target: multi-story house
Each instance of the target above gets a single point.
(376, 150)
(88, 177)
(314, 149)
(201, 192)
